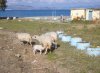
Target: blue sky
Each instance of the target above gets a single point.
(57, 3)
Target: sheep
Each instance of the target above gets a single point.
(24, 37)
(45, 41)
(38, 47)
(53, 36)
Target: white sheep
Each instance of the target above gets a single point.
(38, 47)
(53, 36)
(24, 37)
(45, 41)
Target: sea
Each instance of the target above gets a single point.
(34, 13)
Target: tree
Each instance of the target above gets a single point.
(3, 4)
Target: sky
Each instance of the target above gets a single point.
(64, 4)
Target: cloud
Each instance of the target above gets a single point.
(53, 1)
(32, 1)
(50, 1)
(56, 3)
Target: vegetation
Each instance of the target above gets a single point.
(89, 32)
(3, 4)
(65, 56)
(82, 21)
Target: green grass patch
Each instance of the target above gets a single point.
(52, 56)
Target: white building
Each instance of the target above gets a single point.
(85, 14)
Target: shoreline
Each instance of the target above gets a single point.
(46, 17)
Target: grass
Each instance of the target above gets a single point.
(67, 56)
(76, 60)
(52, 56)
(36, 26)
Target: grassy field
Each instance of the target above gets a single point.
(89, 32)
(66, 56)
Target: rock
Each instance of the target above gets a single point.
(18, 55)
(34, 61)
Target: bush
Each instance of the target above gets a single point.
(81, 21)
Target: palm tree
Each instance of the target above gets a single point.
(3, 4)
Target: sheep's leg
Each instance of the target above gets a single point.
(34, 52)
(40, 52)
(46, 51)
(27, 43)
(31, 43)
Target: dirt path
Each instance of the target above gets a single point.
(17, 58)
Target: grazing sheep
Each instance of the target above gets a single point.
(53, 36)
(24, 37)
(45, 41)
(38, 47)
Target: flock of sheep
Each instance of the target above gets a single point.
(46, 41)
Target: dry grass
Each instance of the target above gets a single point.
(66, 59)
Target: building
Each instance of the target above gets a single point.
(85, 14)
